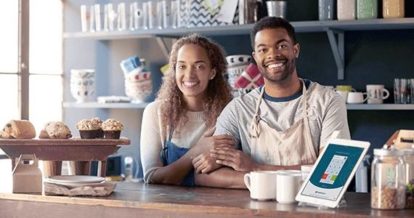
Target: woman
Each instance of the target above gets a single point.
(175, 128)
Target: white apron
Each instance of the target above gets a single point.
(293, 146)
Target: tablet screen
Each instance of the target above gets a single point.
(332, 172)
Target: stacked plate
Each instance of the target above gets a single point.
(75, 181)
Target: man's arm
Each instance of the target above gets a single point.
(335, 119)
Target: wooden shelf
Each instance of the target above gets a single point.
(105, 105)
(300, 27)
(380, 106)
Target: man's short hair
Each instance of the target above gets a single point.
(272, 23)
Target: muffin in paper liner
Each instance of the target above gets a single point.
(90, 128)
(112, 129)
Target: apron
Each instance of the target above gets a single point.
(292, 146)
(171, 153)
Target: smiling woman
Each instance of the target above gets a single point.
(178, 125)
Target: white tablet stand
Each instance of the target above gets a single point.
(342, 203)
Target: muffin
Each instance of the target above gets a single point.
(55, 130)
(112, 129)
(18, 129)
(90, 128)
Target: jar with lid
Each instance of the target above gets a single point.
(393, 8)
(367, 9)
(346, 10)
(388, 179)
(409, 177)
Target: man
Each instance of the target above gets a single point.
(283, 124)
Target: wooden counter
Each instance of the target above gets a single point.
(140, 200)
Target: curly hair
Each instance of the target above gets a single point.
(173, 108)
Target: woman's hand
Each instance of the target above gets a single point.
(205, 163)
(208, 142)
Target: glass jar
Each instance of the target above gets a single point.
(388, 179)
(393, 8)
(409, 177)
(346, 10)
(326, 9)
(367, 9)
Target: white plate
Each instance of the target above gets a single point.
(78, 184)
(74, 179)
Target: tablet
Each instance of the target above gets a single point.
(332, 172)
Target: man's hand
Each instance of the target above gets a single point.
(204, 162)
(234, 158)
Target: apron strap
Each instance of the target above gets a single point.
(254, 130)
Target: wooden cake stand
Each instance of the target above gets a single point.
(58, 150)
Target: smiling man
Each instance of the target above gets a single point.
(283, 124)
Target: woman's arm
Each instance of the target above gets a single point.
(222, 178)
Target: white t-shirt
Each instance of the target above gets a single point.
(152, 139)
(327, 113)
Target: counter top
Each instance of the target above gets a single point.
(142, 200)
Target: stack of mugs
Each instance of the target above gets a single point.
(236, 64)
(82, 84)
(138, 83)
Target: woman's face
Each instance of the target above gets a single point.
(193, 71)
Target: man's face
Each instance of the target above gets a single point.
(275, 54)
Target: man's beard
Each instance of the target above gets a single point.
(280, 76)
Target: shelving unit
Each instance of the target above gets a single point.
(300, 27)
(380, 106)
(335, 31)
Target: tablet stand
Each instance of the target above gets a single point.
(342, 203)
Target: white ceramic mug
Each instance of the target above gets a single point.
(289, 182)
(343, 91)
(356, 98)
(376, 93)
(261, 184)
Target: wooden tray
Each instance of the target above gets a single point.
(63, 149)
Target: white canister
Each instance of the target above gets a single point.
(82, 84)
(346, 9)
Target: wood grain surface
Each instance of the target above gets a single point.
(143, 200)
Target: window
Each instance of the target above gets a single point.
(45, 62)
(41, 101)
(46, 68)
(9, 62)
